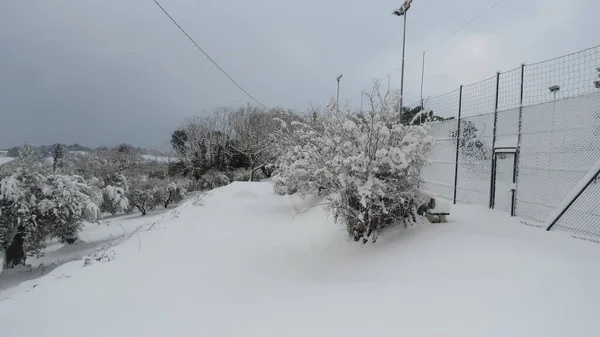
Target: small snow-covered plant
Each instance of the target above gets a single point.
(367, 163)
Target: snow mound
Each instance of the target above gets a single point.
(441, 206)
(230, 266)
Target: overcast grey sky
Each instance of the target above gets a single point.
(112, 71)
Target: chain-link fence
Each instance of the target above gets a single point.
(439, 174)
(525, 142)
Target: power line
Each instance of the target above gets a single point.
(465, 24)
(208, 56)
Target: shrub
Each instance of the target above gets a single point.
(367, 163)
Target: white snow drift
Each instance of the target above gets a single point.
(246, 262)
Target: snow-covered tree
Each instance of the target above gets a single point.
(202, 143)
(107, 163)
(114, 193)
(58, 156)
(142, 194)
(252, 129)
(470, 146)
(368, 164)
(35, 207)
(29, 156)
(68, 202)
(170, 192)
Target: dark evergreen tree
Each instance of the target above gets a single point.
(58, 156)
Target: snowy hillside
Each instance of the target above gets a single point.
(246, 262)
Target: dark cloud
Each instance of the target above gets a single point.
(119, 71)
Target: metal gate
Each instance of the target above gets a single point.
(504, 176)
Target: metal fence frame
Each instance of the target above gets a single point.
(523, 90)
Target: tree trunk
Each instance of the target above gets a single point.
(15, 254)
(168, 201)
(252, 171)
(141, 208)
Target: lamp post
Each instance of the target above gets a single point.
(362, 94)
(337, 100)
(553, 89)
(402, 12)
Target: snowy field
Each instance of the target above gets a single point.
(246, 262)
(4, 160)
(160, 159)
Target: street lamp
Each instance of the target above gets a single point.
(337, 100)
(402, 12)
(554, 89)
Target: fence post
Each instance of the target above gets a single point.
(566, 208)
(493, 173)
(457, 143)
(513, 208)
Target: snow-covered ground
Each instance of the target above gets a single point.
(160, 159)
(246, 262)
(4, 160)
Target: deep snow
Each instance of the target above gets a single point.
(246, 262)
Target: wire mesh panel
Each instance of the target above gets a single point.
(582, 218)
(553, 108)
(439, 174)
(559, 144)
(509, 90)
(475, 144)
(445, 105)
(479, 98)
(568, 76)
(503, 181)
(475, 159)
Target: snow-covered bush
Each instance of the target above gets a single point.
(115, 194)
(114, 199)
(170, 192)
(68, 201)
(470, 146)
(367, 163)
(213, 179)
(142, 194)
(246, 175)
(35, 207)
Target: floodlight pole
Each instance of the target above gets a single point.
(402, 12)
(422, 80)
(337, 100)
(402, 71)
